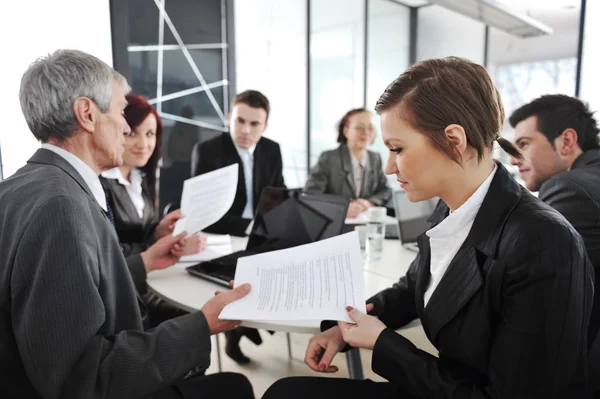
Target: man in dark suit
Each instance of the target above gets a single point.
(259, 159)
(558, 136)
(71, 322)
(260, 166)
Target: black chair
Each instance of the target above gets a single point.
(171, 186)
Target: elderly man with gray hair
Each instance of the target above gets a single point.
(71, 322)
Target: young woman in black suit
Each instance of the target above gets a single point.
(131, 193)
(502, 283)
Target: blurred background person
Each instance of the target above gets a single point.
(351, 170)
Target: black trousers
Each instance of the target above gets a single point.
(221, 385)
(327, 388)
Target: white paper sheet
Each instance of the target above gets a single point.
(363, 218)
(206, 198)
(216, 246)
(309, 282)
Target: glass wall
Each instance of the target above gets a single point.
(442, 32)
(337, 62)
(590, 78)
(388, 50)
(270, 51)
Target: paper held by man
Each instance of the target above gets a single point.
(308, 282)
(206, 198)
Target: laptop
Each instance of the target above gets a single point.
(412, 218)
(284, 219)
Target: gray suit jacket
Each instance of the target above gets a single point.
(333, 175)
(71, 322)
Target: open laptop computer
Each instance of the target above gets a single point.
(412, 218)
(284, 219)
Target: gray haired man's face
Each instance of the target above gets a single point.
(111, 129)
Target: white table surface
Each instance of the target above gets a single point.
(177, 287)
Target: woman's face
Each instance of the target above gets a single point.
(140, 143)
(420, 168)
(360, 131)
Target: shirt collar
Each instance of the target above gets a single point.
(466, 213)
(359, 162)
(87, 173)
(241, 150)
(116, 174)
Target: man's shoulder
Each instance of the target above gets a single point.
(268, 144)
(35, 185)
(580, 182)
(216, 142)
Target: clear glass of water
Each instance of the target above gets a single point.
(375, 236)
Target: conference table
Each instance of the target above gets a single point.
(178, 288)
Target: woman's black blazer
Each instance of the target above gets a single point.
(510, 316)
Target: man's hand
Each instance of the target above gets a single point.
(167, 224)
(160, 255)
(212, 309)
(364, 333)
(191, 245)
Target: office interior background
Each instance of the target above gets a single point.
(314, 59)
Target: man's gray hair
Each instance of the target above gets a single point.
(51, 85)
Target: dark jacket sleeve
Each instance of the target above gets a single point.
(577, 206)
(196, 164)
(383, 192)
(396, 306)
(58, 314)
(279, 182)
(318, 178)
(545, 303)
(137, 271)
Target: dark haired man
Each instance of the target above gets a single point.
(558, 136)
(260, 166)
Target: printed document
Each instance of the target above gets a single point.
(309, 282)
(206, 198)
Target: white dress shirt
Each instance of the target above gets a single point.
(247, 156)
(89, 176)
(358, 169)
(133, 187)
(446, 238)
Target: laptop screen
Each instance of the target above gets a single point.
(412, 216)
(288, 218)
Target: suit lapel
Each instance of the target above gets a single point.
(257, 169)
(425, 273)
(122, 195)
(347, 168)
(233, 157)
(462, 280)
(368, 177)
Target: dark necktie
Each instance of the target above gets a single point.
(109, 213)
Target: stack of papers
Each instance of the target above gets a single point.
(216, 246)
(308, 282)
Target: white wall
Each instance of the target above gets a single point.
(33, 28)
(270, 51)
(442, 32)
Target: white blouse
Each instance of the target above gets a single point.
(446, 238)
(133, 188)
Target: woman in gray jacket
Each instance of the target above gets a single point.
(351, 169)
